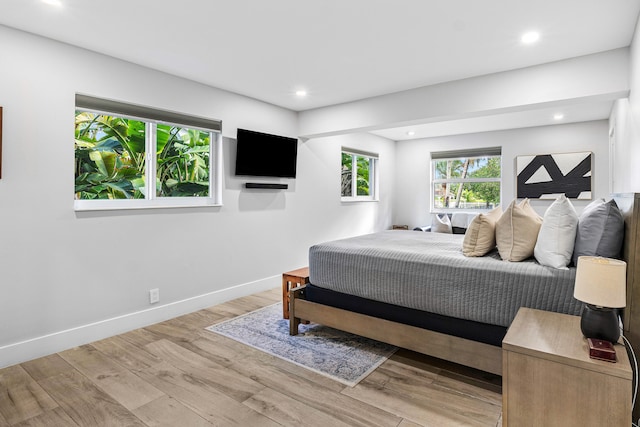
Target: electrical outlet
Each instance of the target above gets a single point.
(154, 296)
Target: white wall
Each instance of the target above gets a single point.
(67, 278)
(413, 192)
(347, 218)
(625, 128)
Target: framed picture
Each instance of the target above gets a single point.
(546, 176)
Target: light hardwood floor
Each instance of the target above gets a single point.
(176, 373)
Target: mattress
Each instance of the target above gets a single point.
(428, 272)
(476, 331)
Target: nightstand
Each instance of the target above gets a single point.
(549, 380)
(292, 279)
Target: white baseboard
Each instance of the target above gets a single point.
(23, 351)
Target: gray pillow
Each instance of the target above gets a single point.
(600, 231)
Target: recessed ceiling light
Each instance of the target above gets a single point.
(530, 37)
(411, 133)
(558, 116)
(301, 93)
(57, 3)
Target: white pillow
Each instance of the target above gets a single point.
(441, 225)
(557, 235)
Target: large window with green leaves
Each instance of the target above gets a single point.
(127, 156)
(359, 175)
(466, 179)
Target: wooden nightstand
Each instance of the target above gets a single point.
(292, 279)
(549, 380)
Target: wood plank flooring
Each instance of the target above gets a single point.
(176, 373)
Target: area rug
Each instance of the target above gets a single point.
(345, 357)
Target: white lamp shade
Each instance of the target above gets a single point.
(601, 281)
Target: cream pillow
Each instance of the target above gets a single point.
(480, 237)
(517, 231)
(441, 225)
(557, 236)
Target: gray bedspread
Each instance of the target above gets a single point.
(427, 271)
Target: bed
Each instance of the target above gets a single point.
(370, 286)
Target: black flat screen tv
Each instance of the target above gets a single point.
(263, 154)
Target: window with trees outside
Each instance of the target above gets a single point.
(359, 176)
(466, 179)
(128, 156)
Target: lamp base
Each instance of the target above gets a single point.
(600, 323)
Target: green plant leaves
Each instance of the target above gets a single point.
(363, 166)
(183, 162)
(109, 156)
(105, 161)
(110, 159)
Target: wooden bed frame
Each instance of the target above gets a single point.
(477, 355)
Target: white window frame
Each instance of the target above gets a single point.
(151, 200)
(373, 176)
(457, 155)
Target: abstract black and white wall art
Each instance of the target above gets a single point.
(547, 176)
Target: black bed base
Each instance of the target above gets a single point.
(468, 329)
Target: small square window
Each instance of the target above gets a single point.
(358, 176)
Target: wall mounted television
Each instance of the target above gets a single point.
(262, 154)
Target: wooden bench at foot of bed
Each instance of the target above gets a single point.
(477, 355)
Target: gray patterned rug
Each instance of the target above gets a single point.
(345, 357)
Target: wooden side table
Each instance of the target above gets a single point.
(292, 279)
(548, 378)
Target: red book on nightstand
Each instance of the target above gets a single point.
(601, 350)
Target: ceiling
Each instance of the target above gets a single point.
(336, 50)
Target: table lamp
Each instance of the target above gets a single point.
(601, 284)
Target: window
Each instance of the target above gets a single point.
(466, 179)
(128, 156)
(359, 176)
